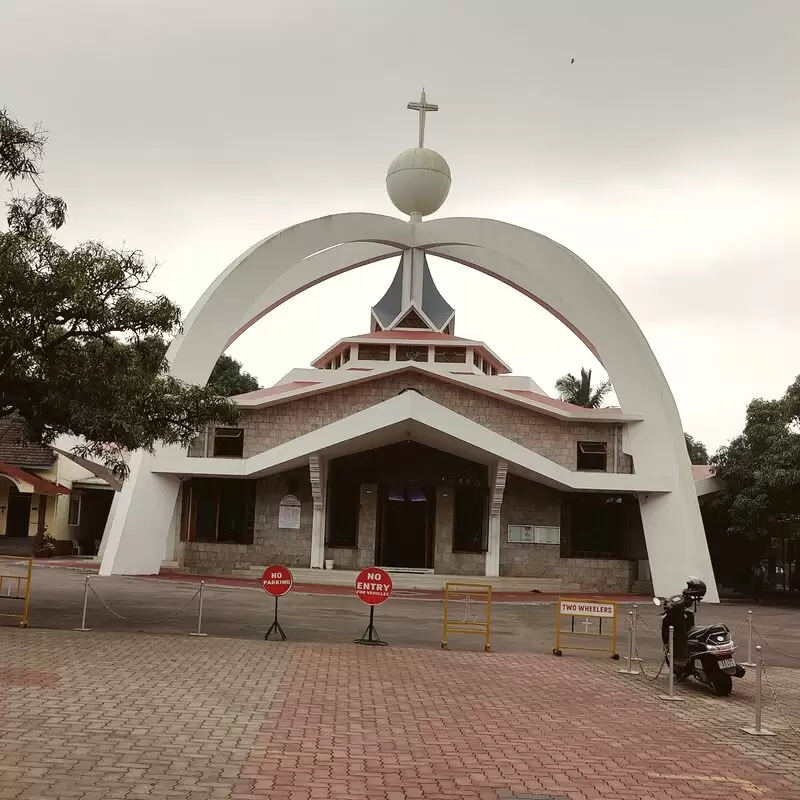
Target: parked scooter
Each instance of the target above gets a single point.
(701, 652)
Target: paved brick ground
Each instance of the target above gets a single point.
(115, 715)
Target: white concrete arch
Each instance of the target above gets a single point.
(291, 260)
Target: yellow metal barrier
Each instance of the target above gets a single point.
(7, 583)
(589, 612)
(470, 594)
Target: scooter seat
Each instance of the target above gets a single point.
(707, 631)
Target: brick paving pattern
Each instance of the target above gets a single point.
(138, 716)
(420, 724)
(107, 716)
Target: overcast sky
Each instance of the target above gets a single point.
(666, 156)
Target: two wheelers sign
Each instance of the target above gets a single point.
(590, 616)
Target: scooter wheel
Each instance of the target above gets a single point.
(722, 684)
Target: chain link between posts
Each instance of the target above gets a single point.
(639, 618)
(778, 705)
(772, 646)
(170, 615)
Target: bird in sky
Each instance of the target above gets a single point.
(572, 61)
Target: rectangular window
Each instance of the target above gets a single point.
(345, 355)
(411, 353)
(74, 514)
(450, 355)
(592, 456)
(469, 520)
(344, 508)
(228, 442)
(220, 510)
(373, 353)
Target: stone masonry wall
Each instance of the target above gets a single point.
(446, 562)
(363, 555)
(555, 439)
(528, 503)
(270, 544)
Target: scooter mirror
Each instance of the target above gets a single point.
(656, 601)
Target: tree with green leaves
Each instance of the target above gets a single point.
(580, 392)
(698, 454)
(760, 468)
(81, 338)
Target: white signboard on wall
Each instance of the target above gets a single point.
(534, 534)
(289, 512)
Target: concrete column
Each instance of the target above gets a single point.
(319, 483)
(499, 475)
(493, 551)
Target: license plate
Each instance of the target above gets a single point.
(728, 663)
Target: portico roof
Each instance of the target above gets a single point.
(412, 416)
(28, 483)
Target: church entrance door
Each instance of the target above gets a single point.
(405, 529)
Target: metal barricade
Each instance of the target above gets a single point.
(589, 612)
(474, 596)
(9, 581)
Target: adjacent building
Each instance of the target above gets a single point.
(45, 491)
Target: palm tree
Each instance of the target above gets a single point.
(578, 391)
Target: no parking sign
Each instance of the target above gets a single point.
(276, 581)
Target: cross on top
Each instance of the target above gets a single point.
(423, 107)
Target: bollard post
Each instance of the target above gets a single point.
(757, 730)
(749, 662)
(85, 603)
(199, 632)
(629, 670)
(635, 628)
(671, 696)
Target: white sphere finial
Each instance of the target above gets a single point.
(418, 180)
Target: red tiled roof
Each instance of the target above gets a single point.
(552, 401)
(40, 485)
(702, 471)
(412, 334)
(280, 389)
(17, 450)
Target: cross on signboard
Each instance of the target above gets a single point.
(587, 623)
(423, 107)
(468, 617)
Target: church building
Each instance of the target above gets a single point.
(409, 446)
(404, 447)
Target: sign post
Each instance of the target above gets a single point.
(589, 612)
(276, 581)
(373, 587)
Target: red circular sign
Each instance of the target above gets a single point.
(373, 586)
(277, 580)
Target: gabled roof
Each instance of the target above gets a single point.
(338, 379)
(16, 449)
(406, 416)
